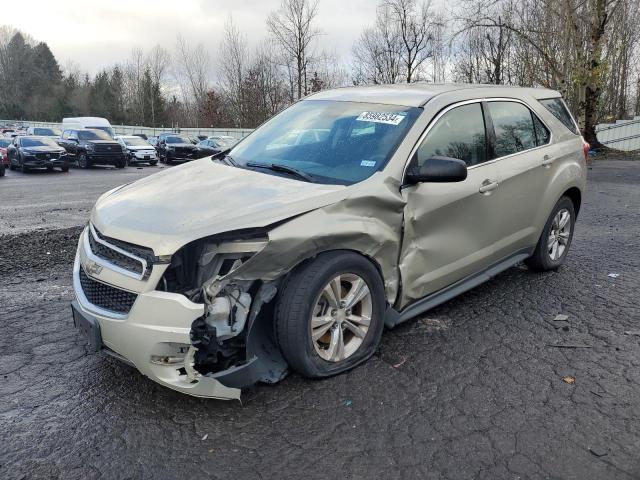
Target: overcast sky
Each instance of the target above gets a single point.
(98, 33)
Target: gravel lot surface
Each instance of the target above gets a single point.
(46, 200)
(472, 390)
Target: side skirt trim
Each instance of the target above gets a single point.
(393, 317)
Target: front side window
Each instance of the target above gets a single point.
(322, 139)
(513, 125)
(460, 134)
(559, 110)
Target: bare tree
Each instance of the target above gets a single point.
(399, 45)
(233, 66)
(292, 27)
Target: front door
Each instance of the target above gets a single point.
(450, 229)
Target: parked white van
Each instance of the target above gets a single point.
(96, 123)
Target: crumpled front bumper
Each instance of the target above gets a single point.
(156, 328)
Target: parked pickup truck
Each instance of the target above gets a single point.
(93, 147)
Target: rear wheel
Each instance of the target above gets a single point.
(556, 237)
(65, 167)
(153, 163)
(121, 164)
(330, 314)
(49, 169)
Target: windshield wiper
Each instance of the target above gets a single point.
(225, 158)
(278, 167)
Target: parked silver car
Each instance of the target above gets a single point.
(277, 255)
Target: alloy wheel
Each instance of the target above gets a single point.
(559, 234)
(341, 317)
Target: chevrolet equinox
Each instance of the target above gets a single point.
(353, 209)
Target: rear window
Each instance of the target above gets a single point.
(557, 107)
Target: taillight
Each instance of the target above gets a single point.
(585, 150)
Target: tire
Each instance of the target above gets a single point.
(83, 161)
(11, 165)
(121, 164)
(300, 298)
(23, 167)
(153, 163)
(65, 167)
(49, 169)
(544, 257)
(2, 170)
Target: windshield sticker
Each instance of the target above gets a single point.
(381, 117)
(367, 163)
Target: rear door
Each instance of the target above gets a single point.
(524, 161)
(450, 228)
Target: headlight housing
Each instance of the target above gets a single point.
(90, 147)
(204, 267)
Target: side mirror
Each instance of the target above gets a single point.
(437, 170)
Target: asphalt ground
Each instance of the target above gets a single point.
(491, 385)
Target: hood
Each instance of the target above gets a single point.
(201, 198)
(181, 145)
(44, 148)
(140, 147)
(102, 142)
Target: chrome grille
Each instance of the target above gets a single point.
(107, 148)
(131, 258)
(105, 296)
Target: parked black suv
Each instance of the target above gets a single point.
(93, 147)
(27, 152)
(174, 147)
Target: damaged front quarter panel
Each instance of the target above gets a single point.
(368, 221)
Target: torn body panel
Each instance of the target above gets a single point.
(368, 222)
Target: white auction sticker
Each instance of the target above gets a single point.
(381, 117)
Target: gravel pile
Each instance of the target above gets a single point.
(40, 250)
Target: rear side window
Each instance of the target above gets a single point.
(543, 136)
(460, 134)
(514, 129)
(557, 107)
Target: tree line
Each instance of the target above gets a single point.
(587, 49)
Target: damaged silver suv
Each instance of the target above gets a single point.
(353, 209)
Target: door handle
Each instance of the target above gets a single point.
(547, 161)
(488, 186)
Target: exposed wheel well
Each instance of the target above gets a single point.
(576, 197)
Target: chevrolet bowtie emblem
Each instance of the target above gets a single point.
(92, 268)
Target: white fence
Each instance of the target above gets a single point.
(131, 129)
(624, 135)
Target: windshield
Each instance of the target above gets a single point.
(334, 142)
(136, 142)
(38, 142)
(108, 130)
(176, 139)
(93, 135)
(223, 142)
(47, 132)
(4, 143)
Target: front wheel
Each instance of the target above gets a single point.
(121, 164)
(330, 314)
(83, 162)
(556, 237)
